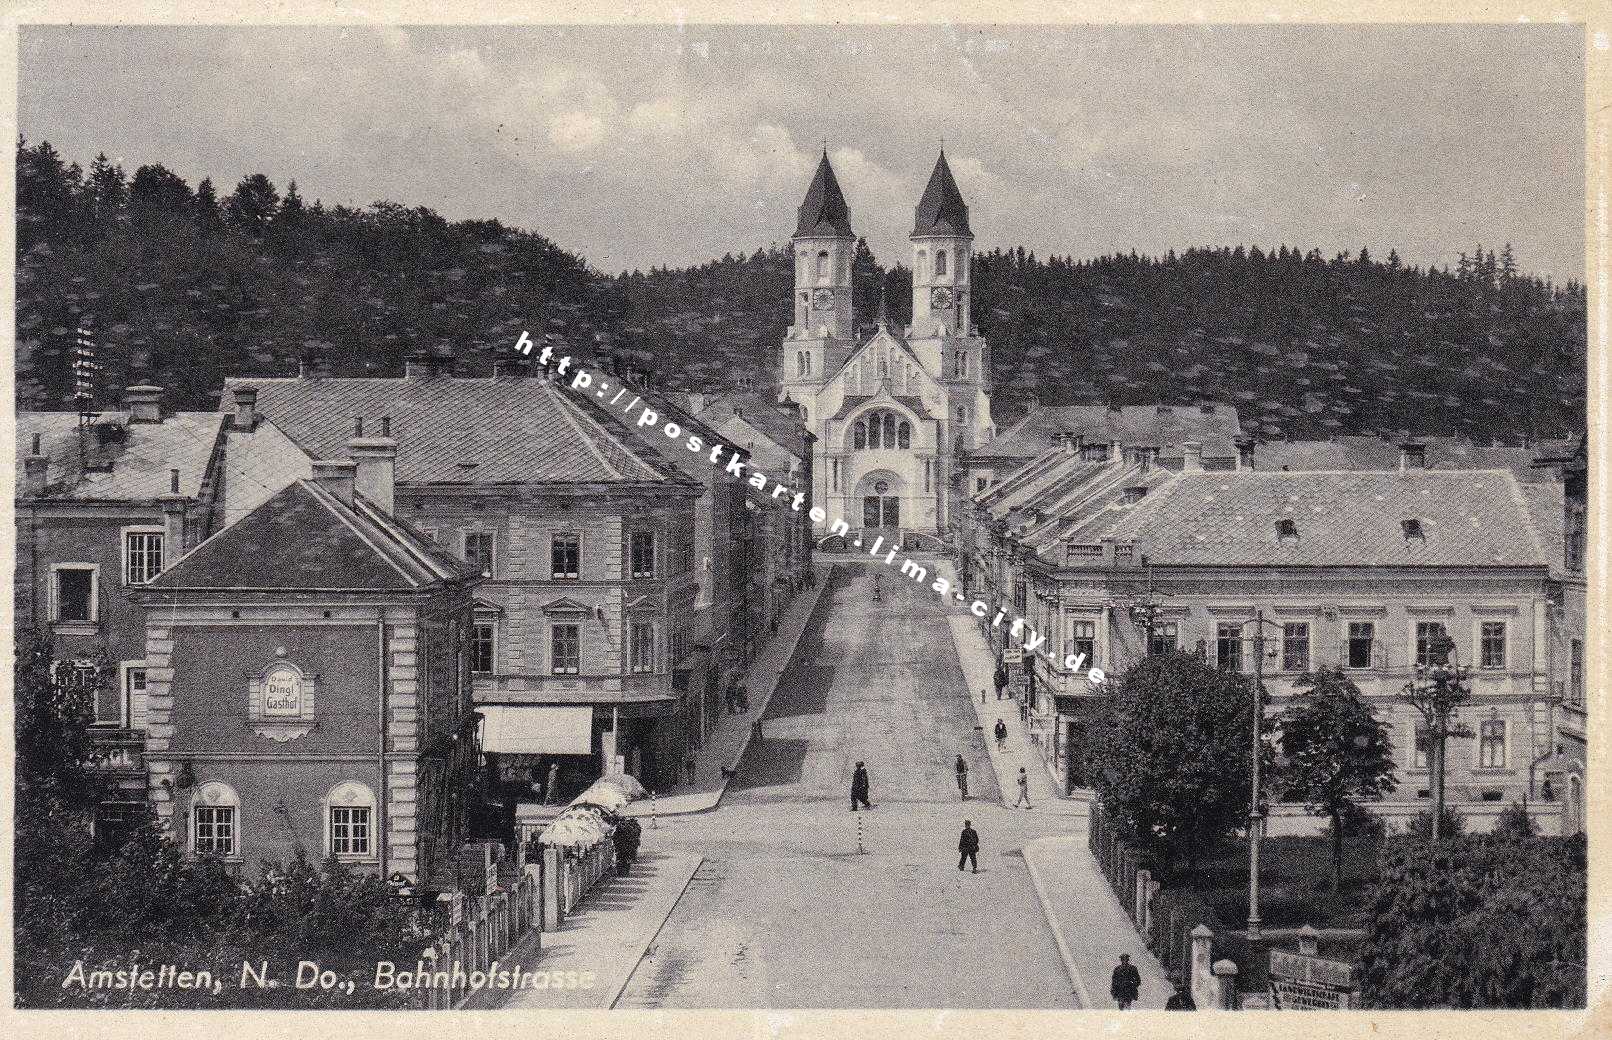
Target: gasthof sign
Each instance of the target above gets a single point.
(1316, 971)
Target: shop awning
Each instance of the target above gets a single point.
(536, 730)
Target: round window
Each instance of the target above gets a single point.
(882, 488)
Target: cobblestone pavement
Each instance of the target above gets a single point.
(785, 912)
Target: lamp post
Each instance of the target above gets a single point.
(1438, 689)
(1256, 815)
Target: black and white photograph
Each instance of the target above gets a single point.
(514, 515)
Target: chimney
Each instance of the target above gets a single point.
(36, 469)
(375, 461)
(144, 404)
(336, 477)
(245, 408)
(425, 364)
(1412, 455)
(510, 367)
(173, 520)
(1194, 456)
(1245, 452)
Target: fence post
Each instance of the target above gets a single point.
(1201, 980)
(551, 888)
(1225, 995)
(1143, 878)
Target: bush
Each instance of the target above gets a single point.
(1514, 822)
(1477, 922)
(1451, 824)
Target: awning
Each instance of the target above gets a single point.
(536, 730)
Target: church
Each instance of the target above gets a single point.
(893, 410)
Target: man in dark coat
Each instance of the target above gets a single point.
(962, 777)
(968, 847)
(859, 788)
(628, 834)
(1125, 984)
(1180, 1000)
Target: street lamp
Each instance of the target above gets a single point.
(1438, 689)
(1256, 814)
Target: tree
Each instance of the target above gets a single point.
(1170, 754)
(1514, 822)
(1338, 753)
(253, 205)
(108, 191)
(208, 217)
(1480, 922)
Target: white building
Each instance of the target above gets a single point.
(891, 411)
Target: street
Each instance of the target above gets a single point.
(785, 912)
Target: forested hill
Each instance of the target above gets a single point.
(180, 285)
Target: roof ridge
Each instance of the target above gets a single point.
(331, 502)
(1514, 488)
(571, 412)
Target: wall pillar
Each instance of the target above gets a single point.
(1201, 980)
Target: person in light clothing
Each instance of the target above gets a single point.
(1024, 790)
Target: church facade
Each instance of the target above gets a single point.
(892, 410)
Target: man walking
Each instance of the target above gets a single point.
(1126, 982)
(1024, 790)
(968, 847)
(962, 777)
(1181, 999)
(1001, 734)
(859, 788)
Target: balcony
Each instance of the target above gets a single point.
(122, 751)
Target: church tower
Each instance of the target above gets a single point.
(822, 335)
(942, 335)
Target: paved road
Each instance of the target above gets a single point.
(784, 913)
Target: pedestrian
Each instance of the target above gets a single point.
(1024, 790)
(1180, 1000)
(1126, 982)
(962, 777)
(551, 790)
(1001, 678)
(1001, 734)
(859, 788)
(628, 834)
(968, 847)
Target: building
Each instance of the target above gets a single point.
(105, 501)
(582, 529)
(308, 686)
(1360, 570)
(891, 413)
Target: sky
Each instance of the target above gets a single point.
(667, 146)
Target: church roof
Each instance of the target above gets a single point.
(941, 211)
(824, 212)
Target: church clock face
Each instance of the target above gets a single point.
(823, 299)
(940, 297)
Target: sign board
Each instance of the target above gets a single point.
(282, 692)
(1016, 656)
(1312, 971)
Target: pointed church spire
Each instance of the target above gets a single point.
(884, 308)
(942, 210)
(824, 212)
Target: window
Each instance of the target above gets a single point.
(114, 702)
(1295, 646)
(643, 646)
(1165, 638)
(350, 831)
(678, 647)
(1020, 597)
(822, 266)
(142, 556)
(1575, 686)
(566, 653)
(641, 549)
(1287, 532)
(903, 436)
(479, 550)
(1423, 747)
(481, 646)
(1492, 744)
(1229, 646)
(1083, 640)
(74, 592)
(1432, 643)
(1362, 637)
(565, 557)
(859, 435)
(918, 268)
(215, 820)
(940, 263)
(1412, 530)
(1492, 645)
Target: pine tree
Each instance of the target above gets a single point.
(208, 217)
(252, 206)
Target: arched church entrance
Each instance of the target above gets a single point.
(879, 494)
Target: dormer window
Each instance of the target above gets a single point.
(1133, 495)
(1287, 532)
(1413, 530)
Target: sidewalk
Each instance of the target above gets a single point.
(606, 935)
(979, 665)
(730, 736)
(1089, 926)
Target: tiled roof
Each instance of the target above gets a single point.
(941, 210)
(1378, 453)
(1164, 426)
(1547, 506)
(465, 431)
(824, 212)
(854, 401)
(780, 427)
(1472, 518)
(139, 464)
(257, 464)
(303, 537)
